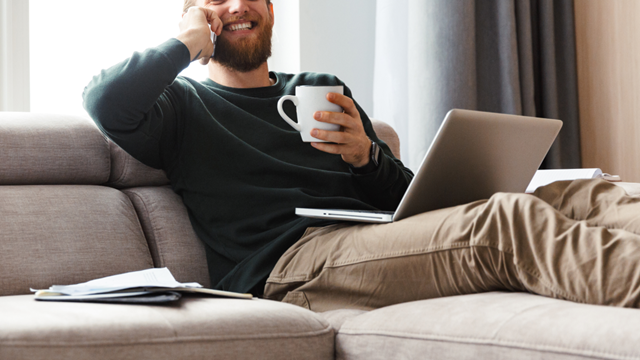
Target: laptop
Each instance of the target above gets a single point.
(473, 155)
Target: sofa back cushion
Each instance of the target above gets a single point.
(51, 149)
(172, 240)
(128, 172)
(66, 234)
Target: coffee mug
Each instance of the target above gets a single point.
(308, 100)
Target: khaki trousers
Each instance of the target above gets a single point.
(570, 240)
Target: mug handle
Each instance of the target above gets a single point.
(295, 101)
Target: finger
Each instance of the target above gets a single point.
(333, 118)
(204, 60)
(216, 26)
(328, 148)
(337, 137)
(345, 102)
(192, 10)
(213, 19)
(348, 123)
(210, 16)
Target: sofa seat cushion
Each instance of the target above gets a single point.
(337, 317)
(194, 328)
(492, 325)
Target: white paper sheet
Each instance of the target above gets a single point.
(545, 177)
(156, 277)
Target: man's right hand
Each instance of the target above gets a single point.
(195, 32)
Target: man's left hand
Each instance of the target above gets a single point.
(352, 142)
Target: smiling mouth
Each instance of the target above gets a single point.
(240, 26)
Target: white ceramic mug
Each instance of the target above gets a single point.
(308, 100)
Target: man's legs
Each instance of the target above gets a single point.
(511, 242)
(598, 202)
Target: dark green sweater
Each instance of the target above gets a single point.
(240, 169)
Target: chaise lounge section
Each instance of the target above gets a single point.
(74, 207)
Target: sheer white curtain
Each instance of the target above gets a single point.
(423, 68)
(506, 56)
(14, 55)
(390, 90)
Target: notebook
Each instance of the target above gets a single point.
(473, 155)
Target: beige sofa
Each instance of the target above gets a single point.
(74, 207)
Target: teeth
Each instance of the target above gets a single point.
(242, 26)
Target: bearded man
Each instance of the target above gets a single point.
(241, 171)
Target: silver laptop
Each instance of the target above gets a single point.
(473, 155)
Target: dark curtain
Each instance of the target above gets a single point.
(506, 56)
(537, 39)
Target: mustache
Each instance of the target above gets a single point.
(233, 19)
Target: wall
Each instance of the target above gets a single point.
(608, 49)
(285, 41)
(334, 36)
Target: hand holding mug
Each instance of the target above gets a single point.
(352, 142)
(308, 100)
(322, 112)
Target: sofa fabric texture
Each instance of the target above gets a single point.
(387, 134)
(494, 325)
(197, 329)
(128, 172)
(66, 234)
(172, 241)
(74, 207)
(51, 149)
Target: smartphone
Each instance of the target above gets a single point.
(214, 38)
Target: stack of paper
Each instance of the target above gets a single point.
(545, 177)
(157, 281)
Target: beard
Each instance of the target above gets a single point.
(246, 54)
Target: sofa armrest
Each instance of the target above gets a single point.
(387, 134)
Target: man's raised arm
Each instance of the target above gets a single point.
(133, 102)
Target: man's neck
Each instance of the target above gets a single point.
(236, 79)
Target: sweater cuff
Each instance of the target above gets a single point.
(371, 177)
(176, 52)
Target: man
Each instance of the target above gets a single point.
(241, 171)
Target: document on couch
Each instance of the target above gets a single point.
(145, 286)
(545, 177)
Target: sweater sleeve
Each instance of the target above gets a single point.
(134, 104)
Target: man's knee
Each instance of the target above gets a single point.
(513, 201)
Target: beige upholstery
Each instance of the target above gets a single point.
(129, 172)
(171, 238)
(84, 228)
(51, 149)
(337, 317)
(386, 133)
(493, 325)
(199, 328)
(65, 234)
